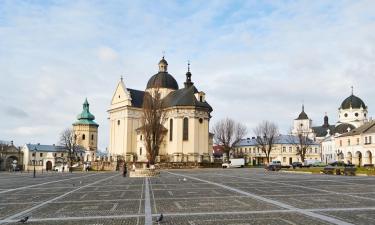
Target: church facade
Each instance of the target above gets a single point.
(187, 137)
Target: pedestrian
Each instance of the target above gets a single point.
(125, 170)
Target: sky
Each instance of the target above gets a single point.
(255, 60)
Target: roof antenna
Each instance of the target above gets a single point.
(188, 65)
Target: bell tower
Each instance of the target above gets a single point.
(86, 132)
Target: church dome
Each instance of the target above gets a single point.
(353, 102)
(162, 79)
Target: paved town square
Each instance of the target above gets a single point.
(191, 197)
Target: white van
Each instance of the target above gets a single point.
(234, 163)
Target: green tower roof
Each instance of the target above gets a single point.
(85, 117)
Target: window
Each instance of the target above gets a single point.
(118, 122)
(33, 154)
(171, 130)
(357, 141)
(83, 137)
(141, 137)
(41, 154)
(284, 159)
(365, 140)
(62, 154)
(200, 120)
(369, 139)
(356, 114)
(348, 142)
(316, 150)
(290, 149)
(185, 132)
(284, 149)
(92, 137)
(346, 115)
(140, 151)
(340, 143)
(55, 154)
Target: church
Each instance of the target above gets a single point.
(187, 137)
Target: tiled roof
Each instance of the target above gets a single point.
(365, 128)
(46, 148)
(137, 97)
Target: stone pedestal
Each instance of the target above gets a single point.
(144, 173)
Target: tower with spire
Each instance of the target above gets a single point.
(86, 132)
(302, 123)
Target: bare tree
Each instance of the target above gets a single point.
(303, 142)
(228, 133)
(153, 118)
(69, 140)
(266, 133)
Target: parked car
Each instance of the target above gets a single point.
(318, 164)
(234, 163)
(296, 164)
(274, 166)
(338, 163)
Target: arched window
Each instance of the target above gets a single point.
(171, 130)
(92, 137)
(118, 122)
(185, 132)
(83, 137)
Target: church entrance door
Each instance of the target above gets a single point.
(49, 165)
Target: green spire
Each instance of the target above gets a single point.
(86, 117)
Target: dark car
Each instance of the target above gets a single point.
(296, 164)
(338, 163)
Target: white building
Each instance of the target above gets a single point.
(45, 157)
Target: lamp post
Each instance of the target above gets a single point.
(34, 161)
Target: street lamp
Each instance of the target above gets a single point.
(34, 161)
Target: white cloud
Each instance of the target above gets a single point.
(107, 54)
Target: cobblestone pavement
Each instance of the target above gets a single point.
(191, 197)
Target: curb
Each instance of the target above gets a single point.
(300, 172)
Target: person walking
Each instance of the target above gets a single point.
(125, 170)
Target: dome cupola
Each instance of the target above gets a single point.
(353, 102)
(162, 79)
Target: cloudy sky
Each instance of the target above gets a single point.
(255, 60)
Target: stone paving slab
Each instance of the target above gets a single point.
(324, 201)
(219, 204)
(360, 217)
(86, 209)
(234, 196)
(243, 219)
(99, 221)
(83, 196)
(7, 210)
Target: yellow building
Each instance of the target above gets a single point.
(284, 150)
(187, 126)
(357, 146)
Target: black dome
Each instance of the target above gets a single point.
(162, 80)
(354, 102)
(343, 128)
(302, 116)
